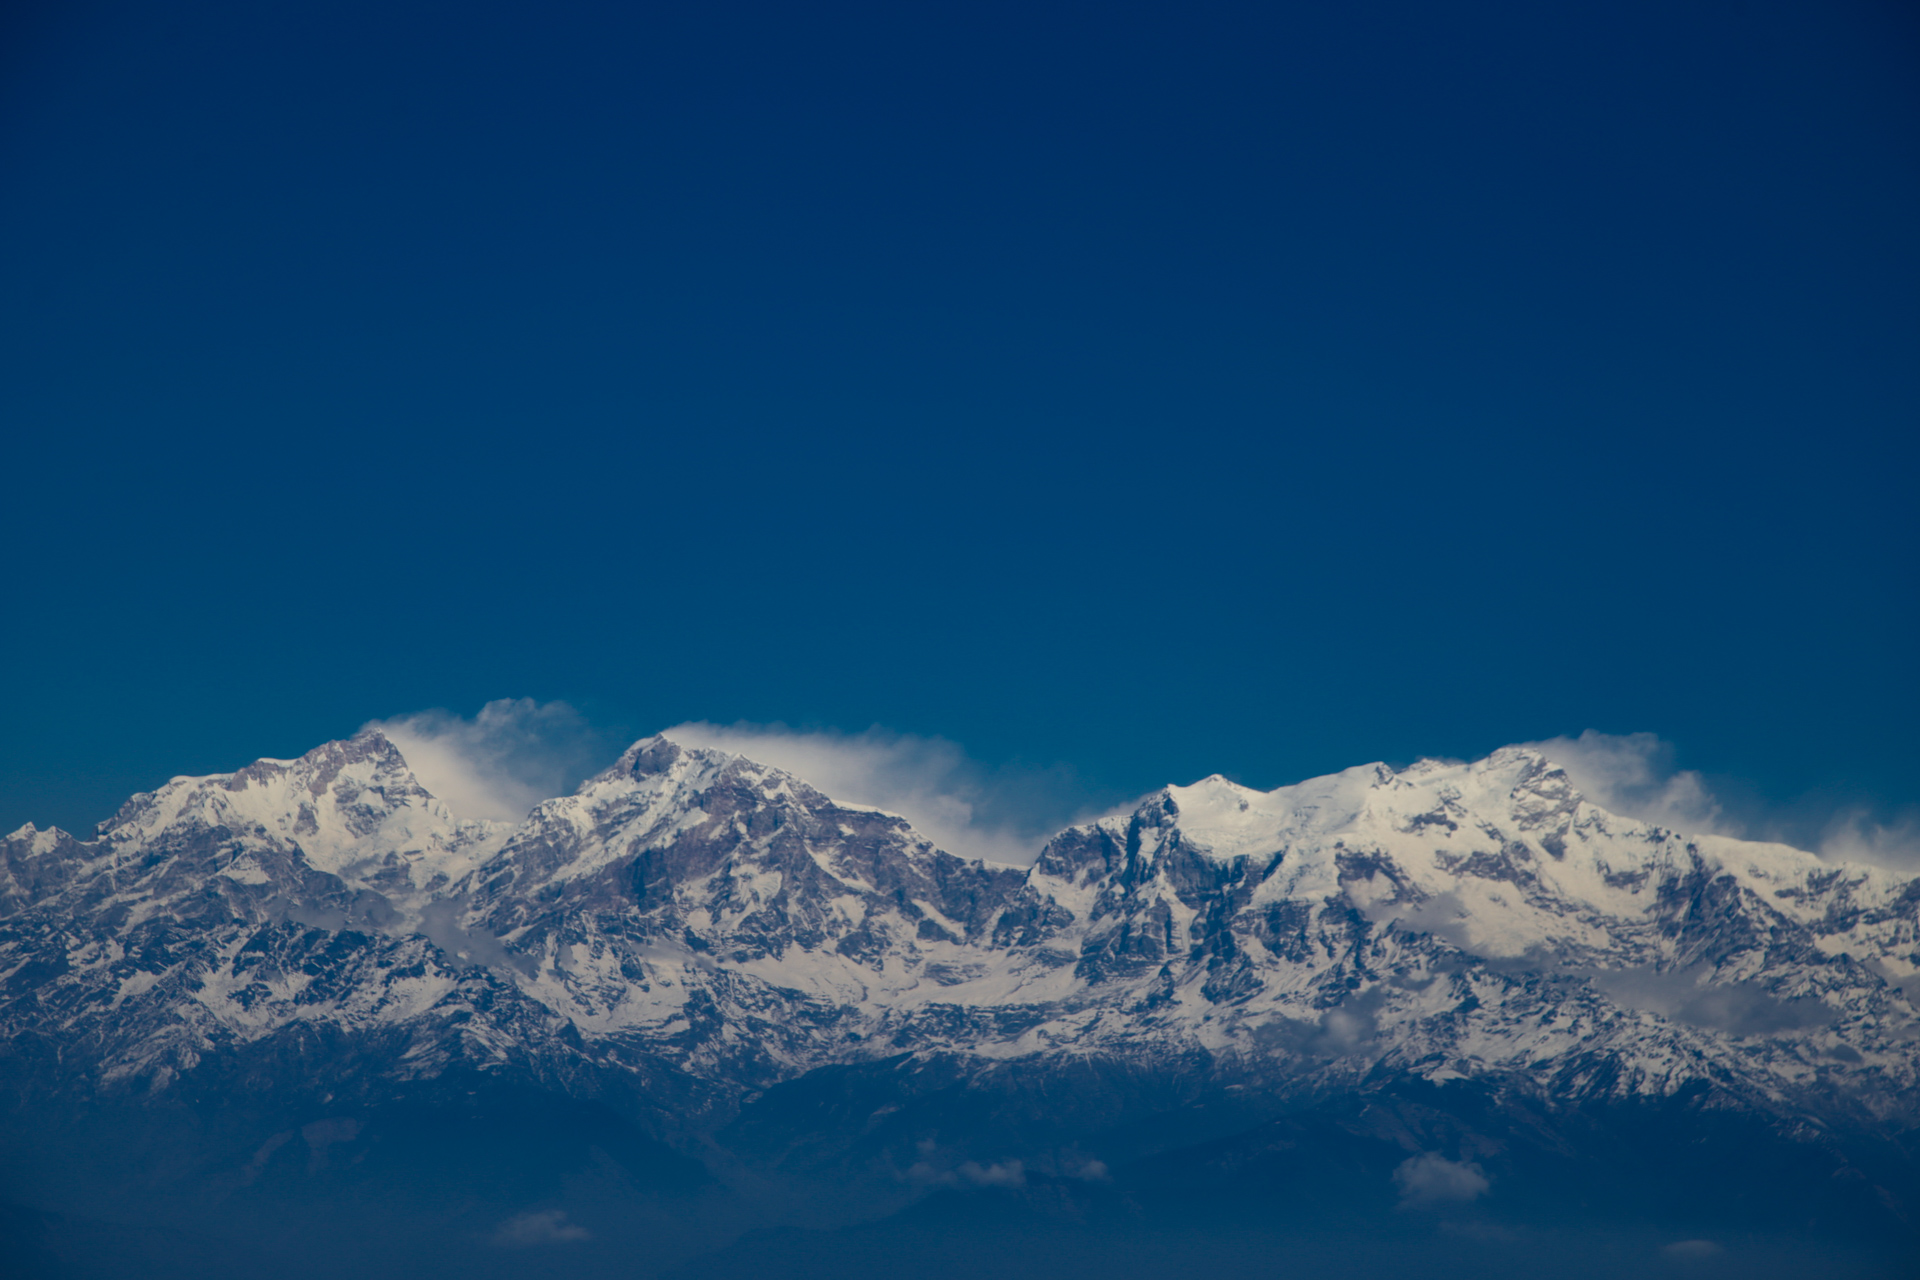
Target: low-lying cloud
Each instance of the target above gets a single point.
(549, 1226)
(971, 1173)
(1689, 996)
(1431, 1179)
(1348, 1028)
(440, 921)
(1001, 815)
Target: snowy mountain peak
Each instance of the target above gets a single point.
(338, 788)
(692, 906)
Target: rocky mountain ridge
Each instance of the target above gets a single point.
(692, 911)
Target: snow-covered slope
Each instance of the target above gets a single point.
(693, 908)
(1483, 919)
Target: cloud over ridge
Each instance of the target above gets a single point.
(1633, 774)
(516, 752)
(1003, 816)
(501, 762)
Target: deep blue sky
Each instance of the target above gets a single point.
(1158, 389)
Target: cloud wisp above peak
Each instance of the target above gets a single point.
(1002, 815)
(501, 762)
(1853, 836)
(516, 752)
(1633, 775)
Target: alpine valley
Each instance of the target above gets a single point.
(699, 1019)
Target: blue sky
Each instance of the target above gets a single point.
(1126, 393)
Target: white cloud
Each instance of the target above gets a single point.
(1094, 1171)
(1002, 817)
(1010, 1173)
(1632, 775)
(1854, 837)
(1432, 1179)
(549, 1226)
(515, 753)
(1692, 1249)
(1691, 996)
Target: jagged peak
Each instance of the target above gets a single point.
(38, 840)
(1485, 856)
(1215, 793)
(1520, 751)
(1231, 819)
(277, 791)
(1214, 782)
(660, 754)
(326, 760)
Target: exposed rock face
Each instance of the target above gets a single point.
(694, 912)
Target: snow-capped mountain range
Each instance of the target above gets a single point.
(692, 910)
